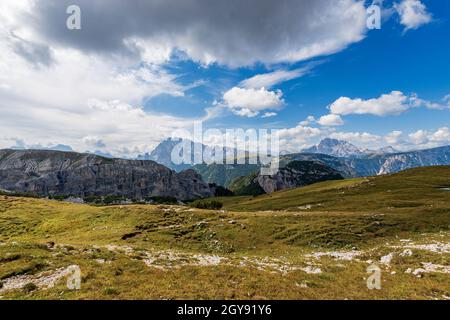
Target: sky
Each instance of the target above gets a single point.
(136, 72)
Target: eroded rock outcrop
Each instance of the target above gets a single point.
(295, 174)
(50, 173)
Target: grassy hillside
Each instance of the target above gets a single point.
(400, 222)
(223, 174)
(410, 190)
(246, 186)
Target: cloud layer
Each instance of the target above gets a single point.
(234, 32)
(392, 103)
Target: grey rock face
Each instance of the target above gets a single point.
(342, 165)
(297, 174)
(68, 173)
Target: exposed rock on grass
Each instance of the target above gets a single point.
(386, 260)
(338, 255)
(437, 247)
(44, 280)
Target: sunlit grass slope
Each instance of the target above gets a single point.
(256, 248)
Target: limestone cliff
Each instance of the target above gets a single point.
(49, 173)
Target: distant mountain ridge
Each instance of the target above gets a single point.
(336, 148)
(378, 164)
(344, 149)
(370, 165)
(386, 150)
(162, 154)
(392, 163)
(342, 156)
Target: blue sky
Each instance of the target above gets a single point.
(416, 61)
(122, 90)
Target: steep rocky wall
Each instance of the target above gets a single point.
(68, 173)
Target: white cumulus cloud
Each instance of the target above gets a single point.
(250, 102)
(429, 138)
(413, 14)
(393, 103)
(330, 120)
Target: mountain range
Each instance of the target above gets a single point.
(56, 173)
(377, 164)
(162, 154)
(344, 149)
(342, 156)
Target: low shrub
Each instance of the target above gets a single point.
(30, 287)
(162, 200)
(207, 204)
(111, 291)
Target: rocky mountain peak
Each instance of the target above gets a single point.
(336, 148)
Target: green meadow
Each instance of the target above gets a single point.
(314, 242)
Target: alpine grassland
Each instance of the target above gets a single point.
(315, 242)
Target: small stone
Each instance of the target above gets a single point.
(301, 285)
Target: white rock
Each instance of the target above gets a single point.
(387, 259)
(312, 270)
